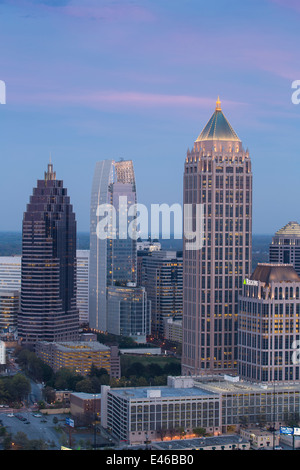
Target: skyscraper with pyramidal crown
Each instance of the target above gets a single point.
(217, 174)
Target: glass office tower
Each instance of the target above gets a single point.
(113, 254)
(48, 272)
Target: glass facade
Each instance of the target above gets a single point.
(48, 271)
(113, 257)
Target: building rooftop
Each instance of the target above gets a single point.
(218, 128)
(161, 392)
(275, 272)
(79, 345)
(290, 229)
(202, 442)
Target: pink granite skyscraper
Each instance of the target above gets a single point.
(218, 175)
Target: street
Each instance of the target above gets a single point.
(34, 427)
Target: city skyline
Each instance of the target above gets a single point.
(136, 80)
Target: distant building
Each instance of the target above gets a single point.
(129, 312)
(48, 274)
(2, 353)
(148, 245)
(10, 273)
(285, 246)
(76, 355)
(9, 309)
(173, 330)
(162, 279)
(268, 325)
(82, 291)
(144, 248)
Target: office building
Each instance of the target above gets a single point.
(112, 244)
(285, 246)
(9, 309)
(10, 272)
(219, 403)
(162, 279)
(76, 355)
(268, 325)
(173, 330)
(129, 312)
(82, 291)
(218, 181)
(48, 273)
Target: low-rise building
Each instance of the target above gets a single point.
(260, 438)
(77, 355)
(217, 403)
(85, 406)
(226, 442)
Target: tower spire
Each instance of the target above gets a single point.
(50, 174)
(218, 104)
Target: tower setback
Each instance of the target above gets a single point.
(48, 271)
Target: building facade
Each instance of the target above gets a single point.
(9, 309)
(162, 279)
(82, 291)
(48, 272)
(75, 355)
(112, 250)
(10, 273)
(218, 180)
(217, 403)
(285, 246)
(268, 325)
(129, 312)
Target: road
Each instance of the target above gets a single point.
(34, 427)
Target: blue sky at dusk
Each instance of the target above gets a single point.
(88, 80)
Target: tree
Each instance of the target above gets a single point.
(199, 432)
(20, 387)
(85, 386)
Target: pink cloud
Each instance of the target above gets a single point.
(118, 98)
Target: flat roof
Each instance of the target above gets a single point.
(200, 442)
(166, 392)
(86, 396)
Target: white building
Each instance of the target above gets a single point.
(10, 272)
(2, 353)
(83, 259)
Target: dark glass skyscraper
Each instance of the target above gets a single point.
(48, 273)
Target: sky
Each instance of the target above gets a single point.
(88, 80)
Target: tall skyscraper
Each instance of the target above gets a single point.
(218, 175)
(285, 246)
(48, 272)
(113, 254)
